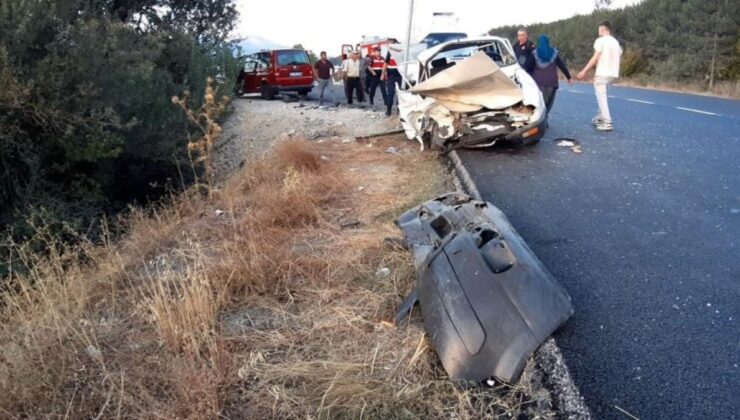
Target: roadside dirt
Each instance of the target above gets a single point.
(256, 123)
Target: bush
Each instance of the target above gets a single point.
(633, 62)
(86, 122)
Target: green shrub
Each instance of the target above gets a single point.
(86, 122)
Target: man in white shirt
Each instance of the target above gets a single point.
(351, 70)
(607, 53)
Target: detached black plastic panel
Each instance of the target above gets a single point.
(488, 302)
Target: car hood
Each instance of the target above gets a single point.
(474, 83)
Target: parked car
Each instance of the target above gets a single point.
(472, 93)
(273, 71)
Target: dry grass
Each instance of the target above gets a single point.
(260, 301)
(723, 89)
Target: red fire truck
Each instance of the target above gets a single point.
(368, 44)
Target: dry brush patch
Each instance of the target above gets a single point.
(266, 299)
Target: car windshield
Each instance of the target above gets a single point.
(292, 58)
(494, 49)
(438, 38)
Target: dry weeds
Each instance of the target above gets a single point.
(724, 89)
(264, 300)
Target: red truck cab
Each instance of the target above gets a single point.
(270, 72)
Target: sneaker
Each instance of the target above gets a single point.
(604, 126)
(596, 120)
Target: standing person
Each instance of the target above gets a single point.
(324, 73)
(345, 57)
(524, 49)
(365, 72)
(607, 53)
(351, 71)
(392, 77)
(547, 62)
(376, 70)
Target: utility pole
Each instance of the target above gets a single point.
(408, 41)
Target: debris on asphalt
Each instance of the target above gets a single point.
(566, 143)
(487, 301)
(391, 150)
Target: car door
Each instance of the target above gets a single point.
(256, 71)
(251, 82)
(293, 68)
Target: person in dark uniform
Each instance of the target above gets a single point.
(524, 50)
(376, 69)
(392, 77)
(547, 63)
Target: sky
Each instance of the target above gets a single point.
(327, 24)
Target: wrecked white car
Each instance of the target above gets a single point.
(472, 93)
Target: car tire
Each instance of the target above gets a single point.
(267, 92)
(238, 91)
(303, 92)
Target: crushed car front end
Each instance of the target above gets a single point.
(472, 94)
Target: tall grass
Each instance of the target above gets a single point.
(253, 302)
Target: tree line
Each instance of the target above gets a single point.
(87, 126)
(664, 40)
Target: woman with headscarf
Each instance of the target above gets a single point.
(545, 72)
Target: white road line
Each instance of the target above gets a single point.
(612, 97)
(574, 91)
(641, 101)
(698, 111)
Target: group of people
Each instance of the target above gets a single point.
(361, 76)
(542, 61)
(365, 75)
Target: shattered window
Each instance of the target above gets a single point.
(494, 49)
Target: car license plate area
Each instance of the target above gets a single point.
(296, 74)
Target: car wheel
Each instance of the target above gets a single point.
(267, 91)
(238, 90)
(304, 92)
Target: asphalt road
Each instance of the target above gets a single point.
(643, 230)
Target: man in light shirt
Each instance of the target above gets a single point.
(351, 70)
(607, 53)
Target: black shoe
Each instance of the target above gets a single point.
(388, 112)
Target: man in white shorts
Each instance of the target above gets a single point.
(607, 53)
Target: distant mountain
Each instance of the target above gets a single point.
(252, 44)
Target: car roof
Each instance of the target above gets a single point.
(425, 56)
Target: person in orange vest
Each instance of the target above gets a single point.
(376, 70)
(392, 77)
